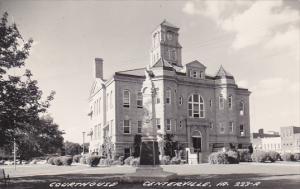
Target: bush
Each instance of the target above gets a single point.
(297, 156)
(93, 160)
(288, 157)
(57, 161)
(273, 156)
(259, 156)
(51, 160)
(116, 162)
(244, 155)
(76, 158)
(67, 160)
(165, 160)
(127, 160)
(175, 161)
(135, 162)
(82, 159)
(218, 158)
(232, 157)
(106, 162)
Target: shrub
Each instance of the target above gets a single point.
(259, 156)
(76, 158)
(273, 156)
(218, 158)
(127, 160)
(175, 161)
(57, 161)
(244, 155)
(165, 160)
(288, 157)
(297, 156)
(93, 160)
(67, 160)
(116, 162)
(121, 159)
(232, 157)
(51, 160)
(82, 159)
(135, 162)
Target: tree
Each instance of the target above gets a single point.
(170, 145)
(47, 139)
(20, 98)
(72, 148)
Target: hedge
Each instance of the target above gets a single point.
(93, 160)
(218, 158)
(297, 156)
(76, 158)
(67, 160)
(165, 160)
(244, 155)
(51, 160)
(128, 160)
(232, 157)
(288, 157)
(57, 161)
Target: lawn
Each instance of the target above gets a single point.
(264, 175)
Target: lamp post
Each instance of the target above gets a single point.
(83, 135)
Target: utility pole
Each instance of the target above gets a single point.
(15, 166)
(83, 135)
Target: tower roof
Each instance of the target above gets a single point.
(222, 73)
(166, 23)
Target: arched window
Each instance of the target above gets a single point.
(242, 108)
(230, 102)
(180, 100)
(196, 106)
(168, 96)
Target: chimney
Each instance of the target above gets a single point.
(261, 131)
(99, 68)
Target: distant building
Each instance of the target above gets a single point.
(266, 141)
(290, 139)
(287, 141)
(203, 112)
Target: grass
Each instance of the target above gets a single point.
(269, 175)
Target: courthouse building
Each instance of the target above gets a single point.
(205, 113)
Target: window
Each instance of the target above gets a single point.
(202, 75)
(230, 102)
(222, 129)
(168, 127)
(111, 100)
(180, 123)
(99, 105)
(126, 98)
(231, 127)
(211, 125)
(196, 106)
(140, 126)
(99, 131)
(194, 74)
(242, 106)
(210, 103)
(157, 96)
(158, 126)
(139, 101)
(168, 96)
(242, 132)
(221, 102)
(126, 127)
(180, 100)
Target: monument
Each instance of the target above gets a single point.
(149, 168)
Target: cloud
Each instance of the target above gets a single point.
(275, 86)
(253, 22)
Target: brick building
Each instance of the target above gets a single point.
(204, 112)
(290, 139)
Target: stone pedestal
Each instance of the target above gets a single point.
(149, 173)
(149, 152)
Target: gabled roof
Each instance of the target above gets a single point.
(162, 63)
(196, 64)
(166, 23)
(222, 73)
(133, 72)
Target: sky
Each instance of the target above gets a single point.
(256, 41)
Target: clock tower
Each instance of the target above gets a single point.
(165, 44)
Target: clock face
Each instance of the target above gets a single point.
(169, 35)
